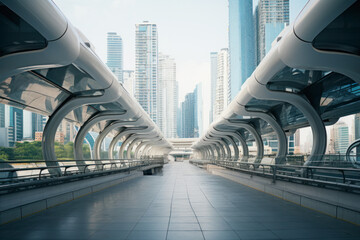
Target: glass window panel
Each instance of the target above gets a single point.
(70, 77)
(114, 106)
(342, 34)
(294, 80)
(16, 34)
(29, 90)
(335, 93)
(81, 114)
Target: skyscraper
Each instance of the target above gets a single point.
(168, 95)
(37, 123)
(188, 116)
(357, 130)
(15, 125)
(2, 115)
(341, 137)
(198, 110)
(222, 94)
(146, 67)
(213, 78)
(241, 43)
(273, 16)
(128, 81)
(115, 54)
(4, 142)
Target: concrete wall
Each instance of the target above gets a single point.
(338, 204)
(18, 205)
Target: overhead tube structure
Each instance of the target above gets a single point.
(61, 77)
(308, 78)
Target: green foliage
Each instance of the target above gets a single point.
(33, 151)
(28, 150)
(3, 156)
(86, 151)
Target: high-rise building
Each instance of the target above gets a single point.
(115, 54)
(198, 110)
(341, 137)
(241, 43)
(273, 16)
(188, 116)
(191, 114)
(129, 81)
(213, 78)
(2, 115)
(37, 124)
(167, 95)
(146, 67)
(3, 130)
(357, 131)
(15, 125)
(179, 130)
(222, 94)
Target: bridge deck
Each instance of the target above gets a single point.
(184, 203)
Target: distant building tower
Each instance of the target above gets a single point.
(241, 43)
(273, 16)
(2, 115)
(4, 138)
(179, 130)
(168, 95)
(15, 125)
(188, 116)
(198, 110)
(129, 81)
(115, 54)
(146, 67)
(222, 94)
(341, 137)
(37, 124)
(357, 131)
(213, 78)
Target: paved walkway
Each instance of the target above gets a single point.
(185, 203)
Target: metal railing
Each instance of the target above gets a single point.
(340, 178)
(18, 175)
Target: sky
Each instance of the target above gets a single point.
(188, 30)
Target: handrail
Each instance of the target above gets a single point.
(13, 178)
(338, 177)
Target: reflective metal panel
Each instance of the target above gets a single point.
(71, 78)
(27, 89)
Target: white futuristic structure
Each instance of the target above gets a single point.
(310, 77)
(49, 67)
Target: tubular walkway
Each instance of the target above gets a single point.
(185, 202)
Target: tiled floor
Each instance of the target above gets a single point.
(184, 203)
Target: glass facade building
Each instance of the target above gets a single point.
(37, 124)
(341, 138)
(146, 68)
(198, 110)
(15, 125)
(222, 92)
(213, 78)
(241, 43)
(188, 116)
(129, 81)
(168, 95)
(272, 17)
(115, 54)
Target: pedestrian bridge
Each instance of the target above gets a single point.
(309, 78)
(181, 202)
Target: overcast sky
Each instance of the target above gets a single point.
(188, 30)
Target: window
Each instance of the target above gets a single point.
(342, 34)
(16, 34)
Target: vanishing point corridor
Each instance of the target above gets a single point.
(184, 202)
